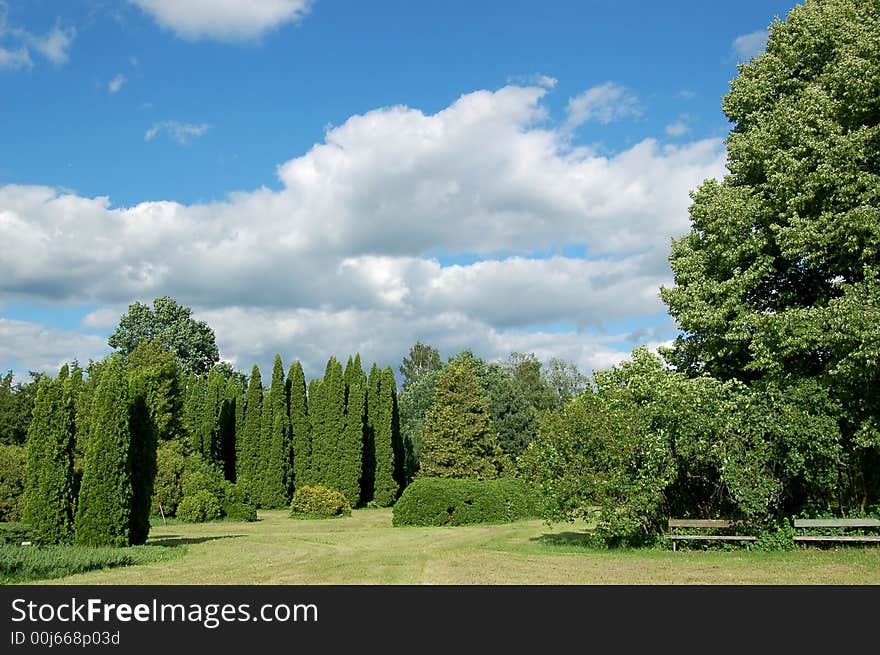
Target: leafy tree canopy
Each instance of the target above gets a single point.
(171, 325)
(422, 359)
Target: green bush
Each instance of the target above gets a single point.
(201, 475)
(319, 501)
(168, 486)
(200, 507)
(12, 463)
(15, 533)
(450, 501)
(239, 512)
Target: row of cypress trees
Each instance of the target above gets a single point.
(341, 431)
(110, 504)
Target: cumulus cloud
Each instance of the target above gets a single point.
(114, 85)
(355, 251)
(604, 104)
(45, 349)
(750, 45)
(224, 20)
(181, 133)
(13, 60)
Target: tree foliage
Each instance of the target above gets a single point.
(104, 508)
(778, 281)
(172, 325)
(351, 442)
(459, 440)
(248, 446)
(276, 473)
(299, 424)
(422, 359)
(49, 502)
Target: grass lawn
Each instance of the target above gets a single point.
(364, 549)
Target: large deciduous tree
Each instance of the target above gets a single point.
(421, 360)
(172, 325)
(778, 280)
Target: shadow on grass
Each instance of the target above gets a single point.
(172, 540)
(580, 539)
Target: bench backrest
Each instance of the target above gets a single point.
(837, 523)
(699, 523)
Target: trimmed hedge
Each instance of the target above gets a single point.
(457, 501)
(319, 501)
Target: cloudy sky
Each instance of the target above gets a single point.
(321, 177)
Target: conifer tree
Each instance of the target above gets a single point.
(299, 425)
(386, 484)
(208, 433)
(104, 509)
(459, 440)
(142, 456)
(277, 469)
(351, 442)
(331, 425)
(315, 400)
(231, 425)
(248, 446)
(374, 419)
(48, 488)
(194, 407)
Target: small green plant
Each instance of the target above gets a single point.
(200, 507)
(777, 536)
(319, 501)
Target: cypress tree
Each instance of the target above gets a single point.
(459, 440)
(249, 445)
(351, 442)
(231, 417)
(386, 484)
(299, 425)
(331, 424)
(374, 419)
(315, 400)
(104, 509)
(276, 472)
(142, 457)
(208, 433)
(193, 403)
(49, 472)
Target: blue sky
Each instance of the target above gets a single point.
(315, 178)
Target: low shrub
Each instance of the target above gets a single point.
(26, 563)
(319, 501)
(455, 501)
(200, 507)
(239, 512)
(15, 533)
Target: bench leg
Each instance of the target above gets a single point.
(673, 545)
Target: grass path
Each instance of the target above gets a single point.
(365, 549)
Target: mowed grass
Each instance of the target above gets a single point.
(365, 549)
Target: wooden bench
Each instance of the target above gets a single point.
(847, 524)
(703, 524)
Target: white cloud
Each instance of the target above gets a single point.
(15, 54)
(13, 60)
(225, 20)
(349, 254)
(114, 85)
(54, 45)
(750, 45)
(45, 349)
(680, 127)
(604, 104)
(182, 133)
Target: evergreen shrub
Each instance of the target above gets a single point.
(200, 507)
(12, 464)
(457, 501)
(319, 501)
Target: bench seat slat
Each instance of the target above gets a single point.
(837, 523)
